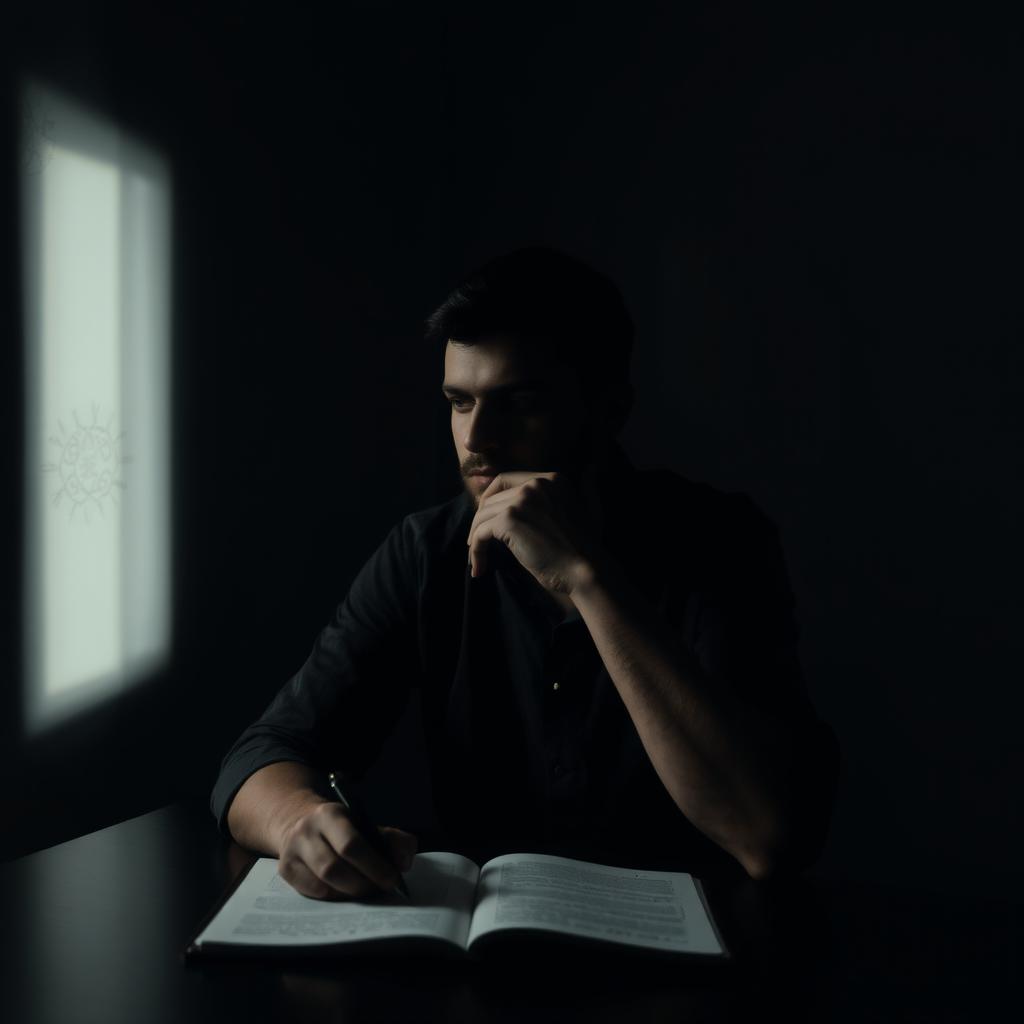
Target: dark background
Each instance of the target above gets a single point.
(816, 224)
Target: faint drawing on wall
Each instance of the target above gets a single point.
(88, 466)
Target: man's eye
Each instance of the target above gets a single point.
(525, 403)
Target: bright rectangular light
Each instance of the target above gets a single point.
(96, 258)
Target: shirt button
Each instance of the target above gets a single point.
(555, 687)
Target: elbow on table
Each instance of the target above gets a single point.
(759, 867)
(794, 839)
(767, 865)
(788, 854)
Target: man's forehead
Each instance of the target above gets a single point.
(499, 364)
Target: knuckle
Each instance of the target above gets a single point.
(351, 882)
(333, 811)
(317, 889)
(323, 867)
(339, 878)
(310, 823)
(350, 845)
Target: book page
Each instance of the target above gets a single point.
(266, 911)
(653, 909)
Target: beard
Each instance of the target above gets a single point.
(588, 454)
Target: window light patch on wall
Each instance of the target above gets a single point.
(96, 247)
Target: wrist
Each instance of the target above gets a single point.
(589, 576)
(290, 812)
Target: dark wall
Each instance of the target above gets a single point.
(815, 221)
(815, 224)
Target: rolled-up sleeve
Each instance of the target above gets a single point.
(336, 711)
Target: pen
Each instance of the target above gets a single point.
(366, 828)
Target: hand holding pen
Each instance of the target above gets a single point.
(376, 839)
(327, 852)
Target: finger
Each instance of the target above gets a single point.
(485, 532)
(493, 505)
(501, 497)
(477, 540)
(303, 881)
(352, 847)
(317, 856)
(529, 491)
(504, 481)
(532, 488)
(497, 500)
(501, 528)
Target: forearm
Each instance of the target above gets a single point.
(722, 763)
(269, 801)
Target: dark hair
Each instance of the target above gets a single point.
(539, 295)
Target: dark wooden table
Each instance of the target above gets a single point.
(93, 930)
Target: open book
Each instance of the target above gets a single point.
(459, 908)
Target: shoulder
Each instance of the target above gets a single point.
(413, 546)
(437, 528)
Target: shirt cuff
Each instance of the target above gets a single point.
(237, 769)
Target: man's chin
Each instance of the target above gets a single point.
(472, 494)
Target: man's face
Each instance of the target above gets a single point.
(512, 409)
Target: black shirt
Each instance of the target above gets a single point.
(531, 748)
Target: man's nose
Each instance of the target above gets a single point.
(482, 430)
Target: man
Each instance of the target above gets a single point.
(606, 657)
